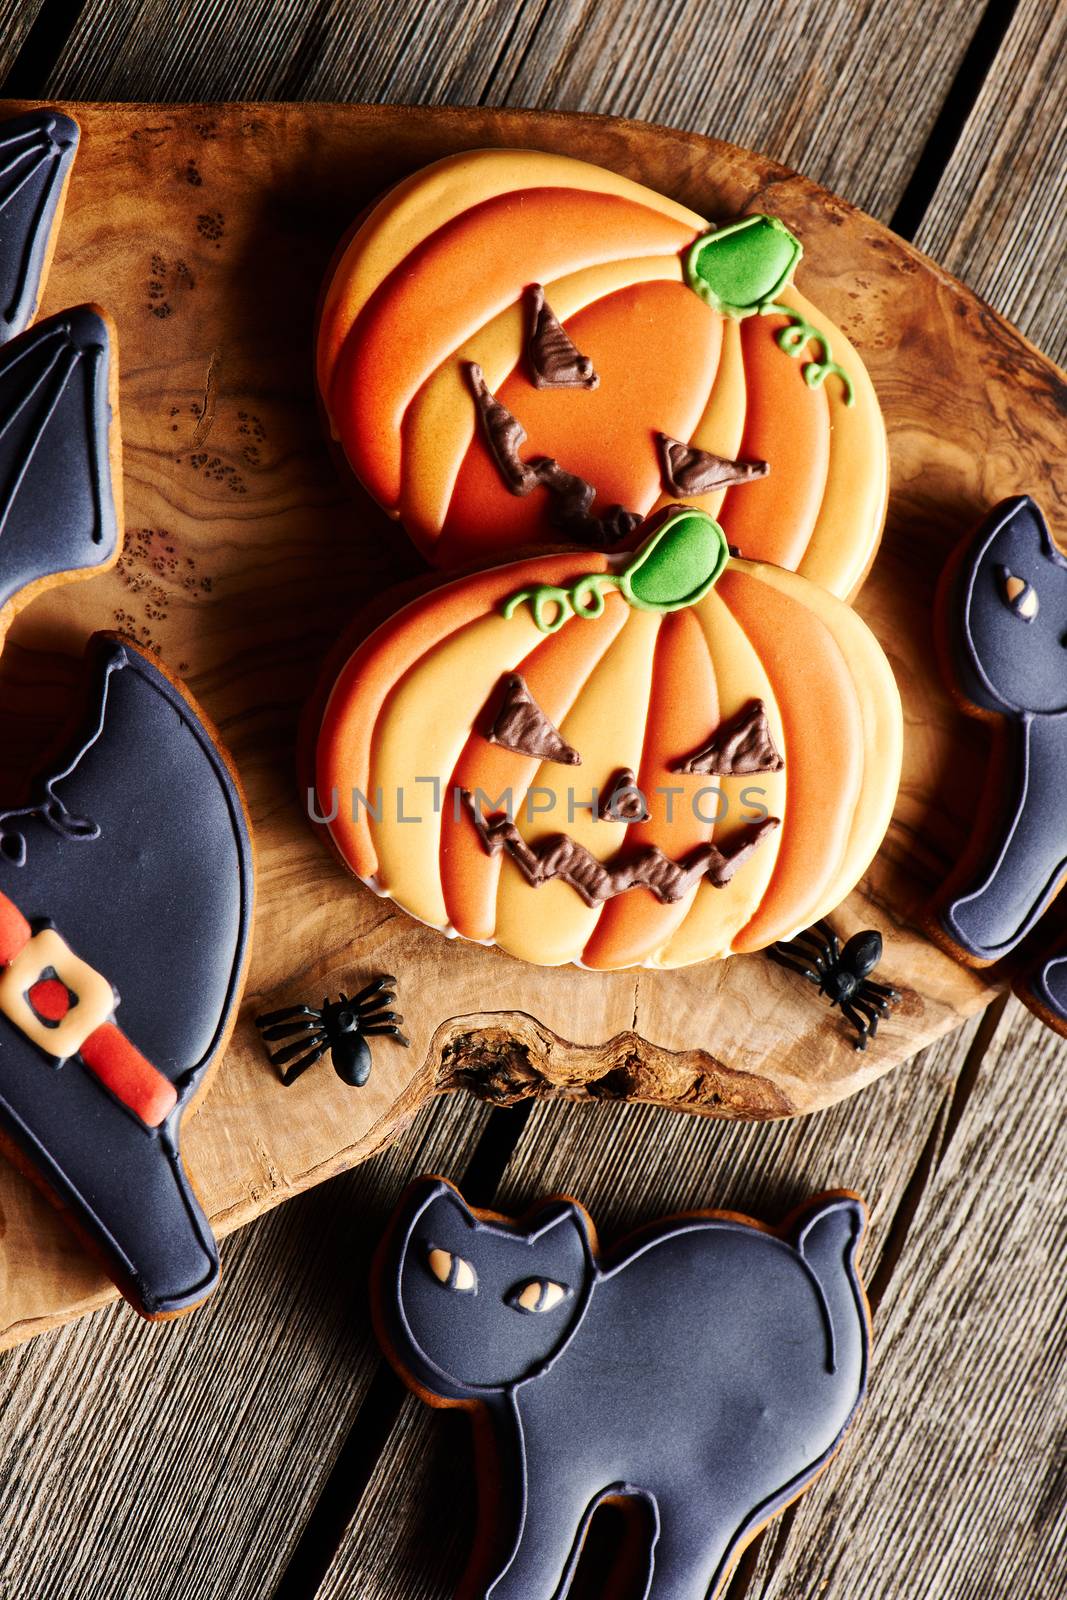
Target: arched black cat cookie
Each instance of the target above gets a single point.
(706, 1370)
(126, 890)
(1003, 632)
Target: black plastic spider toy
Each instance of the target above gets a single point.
(841, 974)
(342, 1027)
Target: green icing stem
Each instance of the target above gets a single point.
(552, 606)
(793, 340)
(675, 567)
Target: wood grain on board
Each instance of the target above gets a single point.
(244, 559)
(849, 97)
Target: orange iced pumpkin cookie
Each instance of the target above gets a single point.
(517, 348)
(650, 759)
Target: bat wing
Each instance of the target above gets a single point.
(36, 154)
(58, 437)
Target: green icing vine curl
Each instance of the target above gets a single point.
(793, 340)
(675, 567)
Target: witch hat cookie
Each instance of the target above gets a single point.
(125, 915)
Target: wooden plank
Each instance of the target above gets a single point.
(999, 216)
(17, 17)
(260, 50)
(232, 499)
(850, 103)
(628, 1164)
(183, 1459)
(954, 1482)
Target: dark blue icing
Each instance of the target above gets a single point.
(1008, 647)
(708, 1370)
(1045, 987)
(36, 154)
(57, 507)
(139, 853)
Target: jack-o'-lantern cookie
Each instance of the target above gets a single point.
(704, 1373)
(519, 348)
(652, 759)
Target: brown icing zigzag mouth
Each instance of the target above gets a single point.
(559, 856)
(572, 497)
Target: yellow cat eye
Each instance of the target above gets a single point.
(537, 1295)
(452, 1271)
(1019, 595)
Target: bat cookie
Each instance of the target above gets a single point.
(36, 154)
(518, 348)
(1002, 607)
(650, 759)
(705, 1370)
(125, 915)
(60, 443)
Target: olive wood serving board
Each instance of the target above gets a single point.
(205, 231)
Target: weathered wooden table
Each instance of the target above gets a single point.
(260, 1449)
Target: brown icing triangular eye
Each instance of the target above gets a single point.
(1017, 594)
(554, 359)
(623, 800)
(739, 746)
(684, 469)
(522, 726)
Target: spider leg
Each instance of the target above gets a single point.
(373, 989)
(391, 1029)
(814, 951)
(866, 1009)
(378, 1016)
(287, 1014)
(289, 1030)
(778, 953)
(891, 994)
(833, 943)
(288, 1052)
(813, 939)
(290, 1075)
(862, 1026)
(867, 997)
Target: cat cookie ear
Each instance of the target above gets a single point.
(563, 1226)
(832, 1229)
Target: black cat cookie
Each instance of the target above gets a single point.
(1002, 607)
(705, 1371)
(126, 892)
